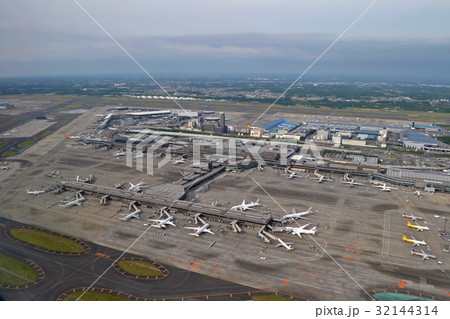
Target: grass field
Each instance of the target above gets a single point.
(9, 153)
(397, 297)
(445, 139)
(3, 143)
(270, 298)
(139, 268)
(15, 272)
(94, 296)
(43, 134)
(46, 240)
(25, 144)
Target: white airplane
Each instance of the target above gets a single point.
(285, 245)
(385, 188)
(199, 230)
(138, 187)
(139, 155)
(6, 166)
(134, 214)
(301, 230)
(414, 241)
(419, 228)
(423, 254)
(35, 192)
(180, 161)
(352, 183)
(412, 217)
(72, 137)
(161, 223)
(77, 201)
(245, 206)
(322, 179)
(296, 215)
(121, 153)
(293, 175)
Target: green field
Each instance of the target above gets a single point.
(43, 134)
(9, 153)
(270, 298)
(94, 296)
(46, 240)
(139, 268)
(15, 272)
(445, 139)
(25, 144)
(396, 297)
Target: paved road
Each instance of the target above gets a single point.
(63, 273)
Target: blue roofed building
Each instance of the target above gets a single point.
(418, 140)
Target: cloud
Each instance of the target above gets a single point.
(246, 52)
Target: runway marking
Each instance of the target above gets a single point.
(198, 264)
(401, 284)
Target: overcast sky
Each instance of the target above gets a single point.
(407, 39)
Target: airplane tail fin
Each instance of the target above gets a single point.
(412, 251)
(309, 210)
(67, 137)
(257, 201)
(313, 230)
(404, 237)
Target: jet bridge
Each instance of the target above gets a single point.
(253, 218)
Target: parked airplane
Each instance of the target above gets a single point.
(199, 230)
(285, 245)
(72, 137)
(296, 215)
(412, 217)
(385, 188)
(423, 254)
(293, 175)
(134, 214)
(5, 166)
(322, 179)
(77, 201)
(35, 192)
(419, 228)
(180, 161)
(245, 206)
(138, 187)
(301, 230)
(161, 223)
(121, 153)
(139, 155)
(414, 241)
(352, 183)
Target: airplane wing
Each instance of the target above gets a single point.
(297, 233)
(208, 231)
